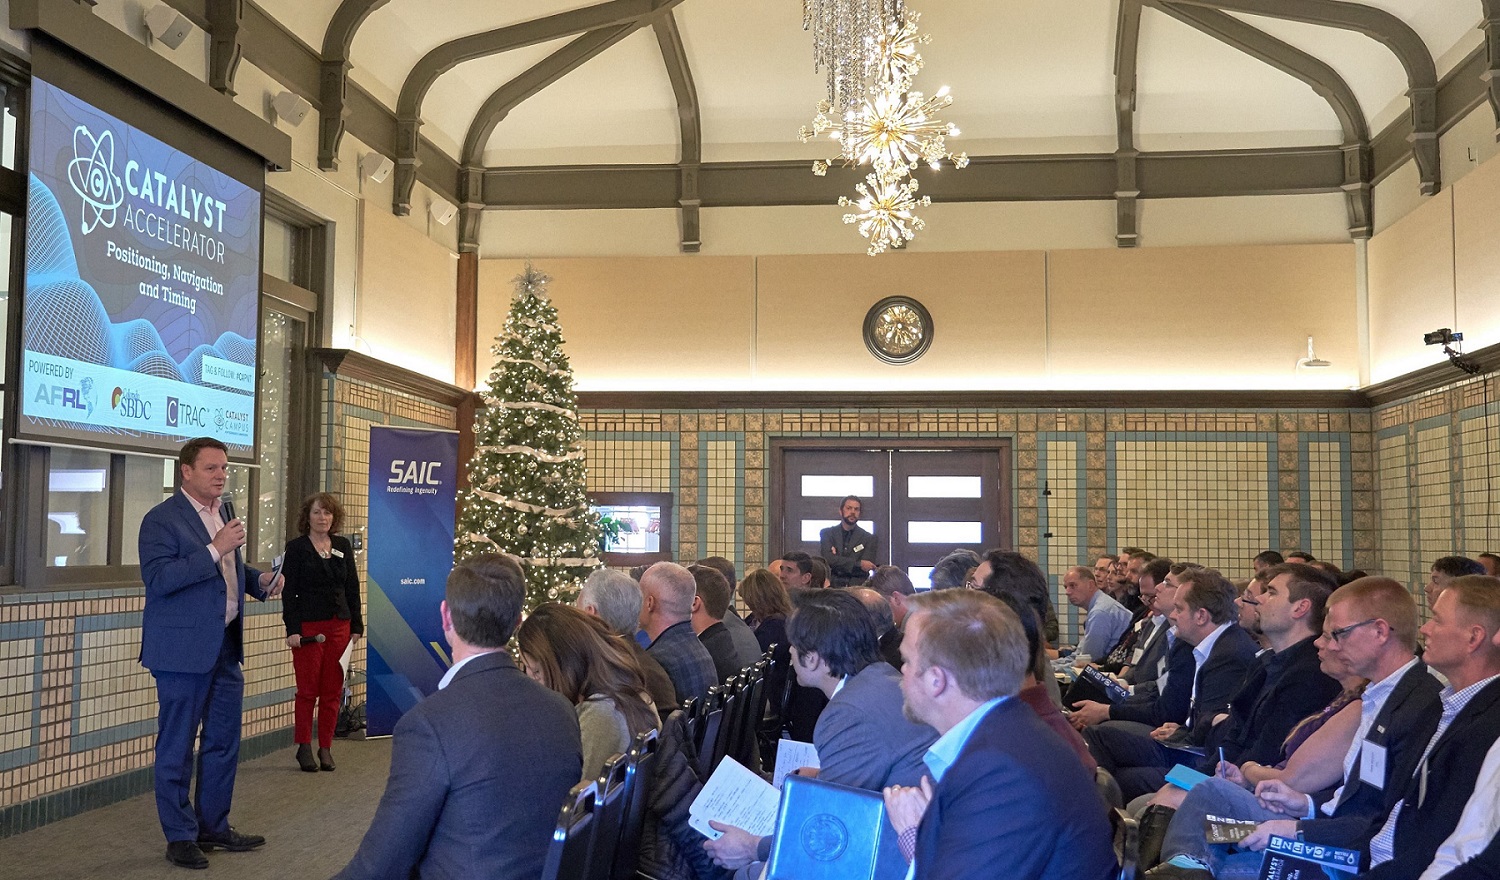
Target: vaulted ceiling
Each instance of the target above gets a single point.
(689, 103)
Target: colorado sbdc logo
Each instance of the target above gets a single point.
(129, 404)
(92, 176)
(182, 415)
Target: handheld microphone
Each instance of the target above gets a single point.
(226, 508)
(312, 640)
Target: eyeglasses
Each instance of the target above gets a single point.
(1337, 635)
(1248, 599)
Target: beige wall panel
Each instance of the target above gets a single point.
(1411, 288)
(1469, 144)
(988, 310)
(1302, 219)
(638, 323)
(1241, 316)
(1476, 205)
(407, 286)
(535, 234)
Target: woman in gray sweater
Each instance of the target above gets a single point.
(576, 655)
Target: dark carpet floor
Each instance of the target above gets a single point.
(312, 822)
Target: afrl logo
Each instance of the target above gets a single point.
(63, 396)
(92, 175)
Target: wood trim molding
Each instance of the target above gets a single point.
(1164, 400)
(355, 365)
(1431, 377)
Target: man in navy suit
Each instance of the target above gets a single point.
(1010, 796)
(192, 640)
(480, 768)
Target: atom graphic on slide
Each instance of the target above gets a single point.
(92, 174)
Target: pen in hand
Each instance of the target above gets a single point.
(1221, 762)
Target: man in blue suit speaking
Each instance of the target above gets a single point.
(192, 640)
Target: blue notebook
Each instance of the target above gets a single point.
(832, 832)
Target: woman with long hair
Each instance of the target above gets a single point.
(576, 655)
(320, 607)
(770, 605)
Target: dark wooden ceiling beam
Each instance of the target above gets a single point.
(1320, 77)
(1491, 75)
(333, 76)
(588, 20)
(1391, 32)
(690, 129)
(224, 49)
(1127, 187)
(1066, 177)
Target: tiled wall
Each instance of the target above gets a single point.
(1212, 486)
(78, 712)
(1438, 468)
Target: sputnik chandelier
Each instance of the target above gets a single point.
(888, 128)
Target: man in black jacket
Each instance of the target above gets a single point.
(849, 549)
(1461, 644)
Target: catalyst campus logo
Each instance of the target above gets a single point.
(92, 176)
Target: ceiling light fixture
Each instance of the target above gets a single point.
(843, 33)
(891, 130)
(1312, 359)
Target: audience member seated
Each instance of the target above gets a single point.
(615, 598)
(710, 602)
(1301, 556)
(1143, 712)
(1372, 624)
(1490, 562)
(1006, 795)
(895, 588)
(1264, 560)
(1035, 695)
(746, 648)
(885, 625)
(1004, 571)
(1131, 647)
(820, 577)
(1463, 643)
(795, 569)
(952, 571)
(771, 606)
(1105, 619)
(1445, 569)
(862, 738)
(667, 591)
(1472, 851)
(570, 652)
(1223, 653)
(479, 768)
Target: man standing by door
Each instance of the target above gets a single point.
(849, 549)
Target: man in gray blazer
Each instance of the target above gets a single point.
(863, 739)
(480, 768)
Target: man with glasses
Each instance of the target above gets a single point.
(1372, 624)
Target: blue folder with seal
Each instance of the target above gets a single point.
(832, 832)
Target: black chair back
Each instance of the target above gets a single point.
(609, 815)
(640, 769)
(708, 732)
(728, 722)
(1109, 789)
(755, 710)
(1127, 843)
(568, 854)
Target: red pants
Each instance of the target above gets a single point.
(320, 679)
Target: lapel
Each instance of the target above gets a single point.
(1380, 729)
(1457, 736)
(195, 522)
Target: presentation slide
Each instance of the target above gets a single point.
(142, 287)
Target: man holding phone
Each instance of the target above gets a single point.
(192, 640)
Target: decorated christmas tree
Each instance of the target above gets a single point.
(526, 480)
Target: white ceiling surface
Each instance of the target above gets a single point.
(1028, 76)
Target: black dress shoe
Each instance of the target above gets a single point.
(231, 841)
(1169, 871)
(305, 758)
(325, 759)
(186, 854)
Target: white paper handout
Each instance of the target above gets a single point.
(735, 796)
(792, 755)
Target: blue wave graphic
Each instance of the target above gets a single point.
(65, 317)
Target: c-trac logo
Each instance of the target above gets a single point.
(129, 404)
(184, 415)
(92, 176)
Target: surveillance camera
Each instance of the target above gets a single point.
(1443, 336)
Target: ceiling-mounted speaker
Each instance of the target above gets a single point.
(376, 167)
(167, 26)
(442, 211)
(291, 107)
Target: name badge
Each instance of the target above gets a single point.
(1372, 764)
(859, 547)
(337, 552)
(1136, 655)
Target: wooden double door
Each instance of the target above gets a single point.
(921, 503)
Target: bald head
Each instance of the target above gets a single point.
(879, 608)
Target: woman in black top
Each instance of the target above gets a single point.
(321, 599)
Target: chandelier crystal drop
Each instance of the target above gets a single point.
(891, 130)
(843, 33)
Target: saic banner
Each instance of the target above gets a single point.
(413, 490)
